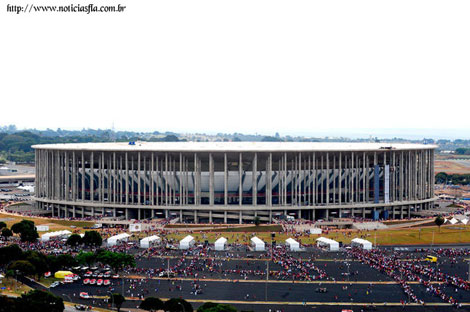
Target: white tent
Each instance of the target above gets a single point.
(362, 243)
(332, 245)
(187, 242)
(464, 221)
(257, 243)
(116, 239)
(58, 234)
(293, 244)
(315, 231)
(42, 228)
(453, 221)
(147, 242)
(220, 243)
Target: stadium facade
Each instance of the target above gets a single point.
(234, 182)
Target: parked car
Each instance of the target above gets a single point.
(55, 284)
(84, 295)
(92, 281)
(86, 281)
(99, 282)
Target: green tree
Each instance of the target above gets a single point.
(117, 260)
(117, 300)
(26, 229)
(23, 267)
(177, 305)
(2, 225)
(74, 240)
(6, 232)
(8, 304)
(257, 221)
(216, 307)
(86, 258)
(439, 221)
(41, 301)
(39, 261)
(10, 253)
(92, 238)
(151, 304)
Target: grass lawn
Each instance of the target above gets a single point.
(12, 287)
(54, 225)
(48, 281)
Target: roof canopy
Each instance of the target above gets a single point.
(234, 146)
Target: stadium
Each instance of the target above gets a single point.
(234, 182)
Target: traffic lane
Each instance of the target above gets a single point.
(336, 270)
(246, 291)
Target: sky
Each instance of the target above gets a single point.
(250, 66)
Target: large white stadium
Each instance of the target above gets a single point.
(234, 182)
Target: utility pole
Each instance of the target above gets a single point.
(267, 279)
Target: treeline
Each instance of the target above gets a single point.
(16, 146)
(462, 151)
(456, 179)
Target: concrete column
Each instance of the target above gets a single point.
(240, 182)
(181, 215)
(114, 212)
(166, 179)
(313, 214)
(211, 179)
(270, 216)
(255, 180)
(225, 180)
(127, 209)
(67, 175)
(363, 213)
(225, 216)
(195, 217)
(327, 178)
(210, 216)
(139, 178)
(240, 217)
(139, 216)
(127, 183)
(327, 213)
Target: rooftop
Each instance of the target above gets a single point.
(232, 146)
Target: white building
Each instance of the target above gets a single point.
(187, 242)
(326, 242)
(220, 244)
(361, 243)
(257, 244)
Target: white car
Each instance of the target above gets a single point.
(55, 284)
(84, 295)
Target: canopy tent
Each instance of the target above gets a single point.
(331, 244)
(257, 243)
(315, 231)
(187, 242)
(361, 243)
(293, 244)
(149, 241)
(57, 234)
(116, 239)
(220, 243)
(453, 221)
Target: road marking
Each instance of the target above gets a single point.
(276, 281)
(309, 303)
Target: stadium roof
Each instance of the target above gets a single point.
(233, 146)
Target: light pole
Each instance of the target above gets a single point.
(112, 298)
(70, 298)
(184, 310)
